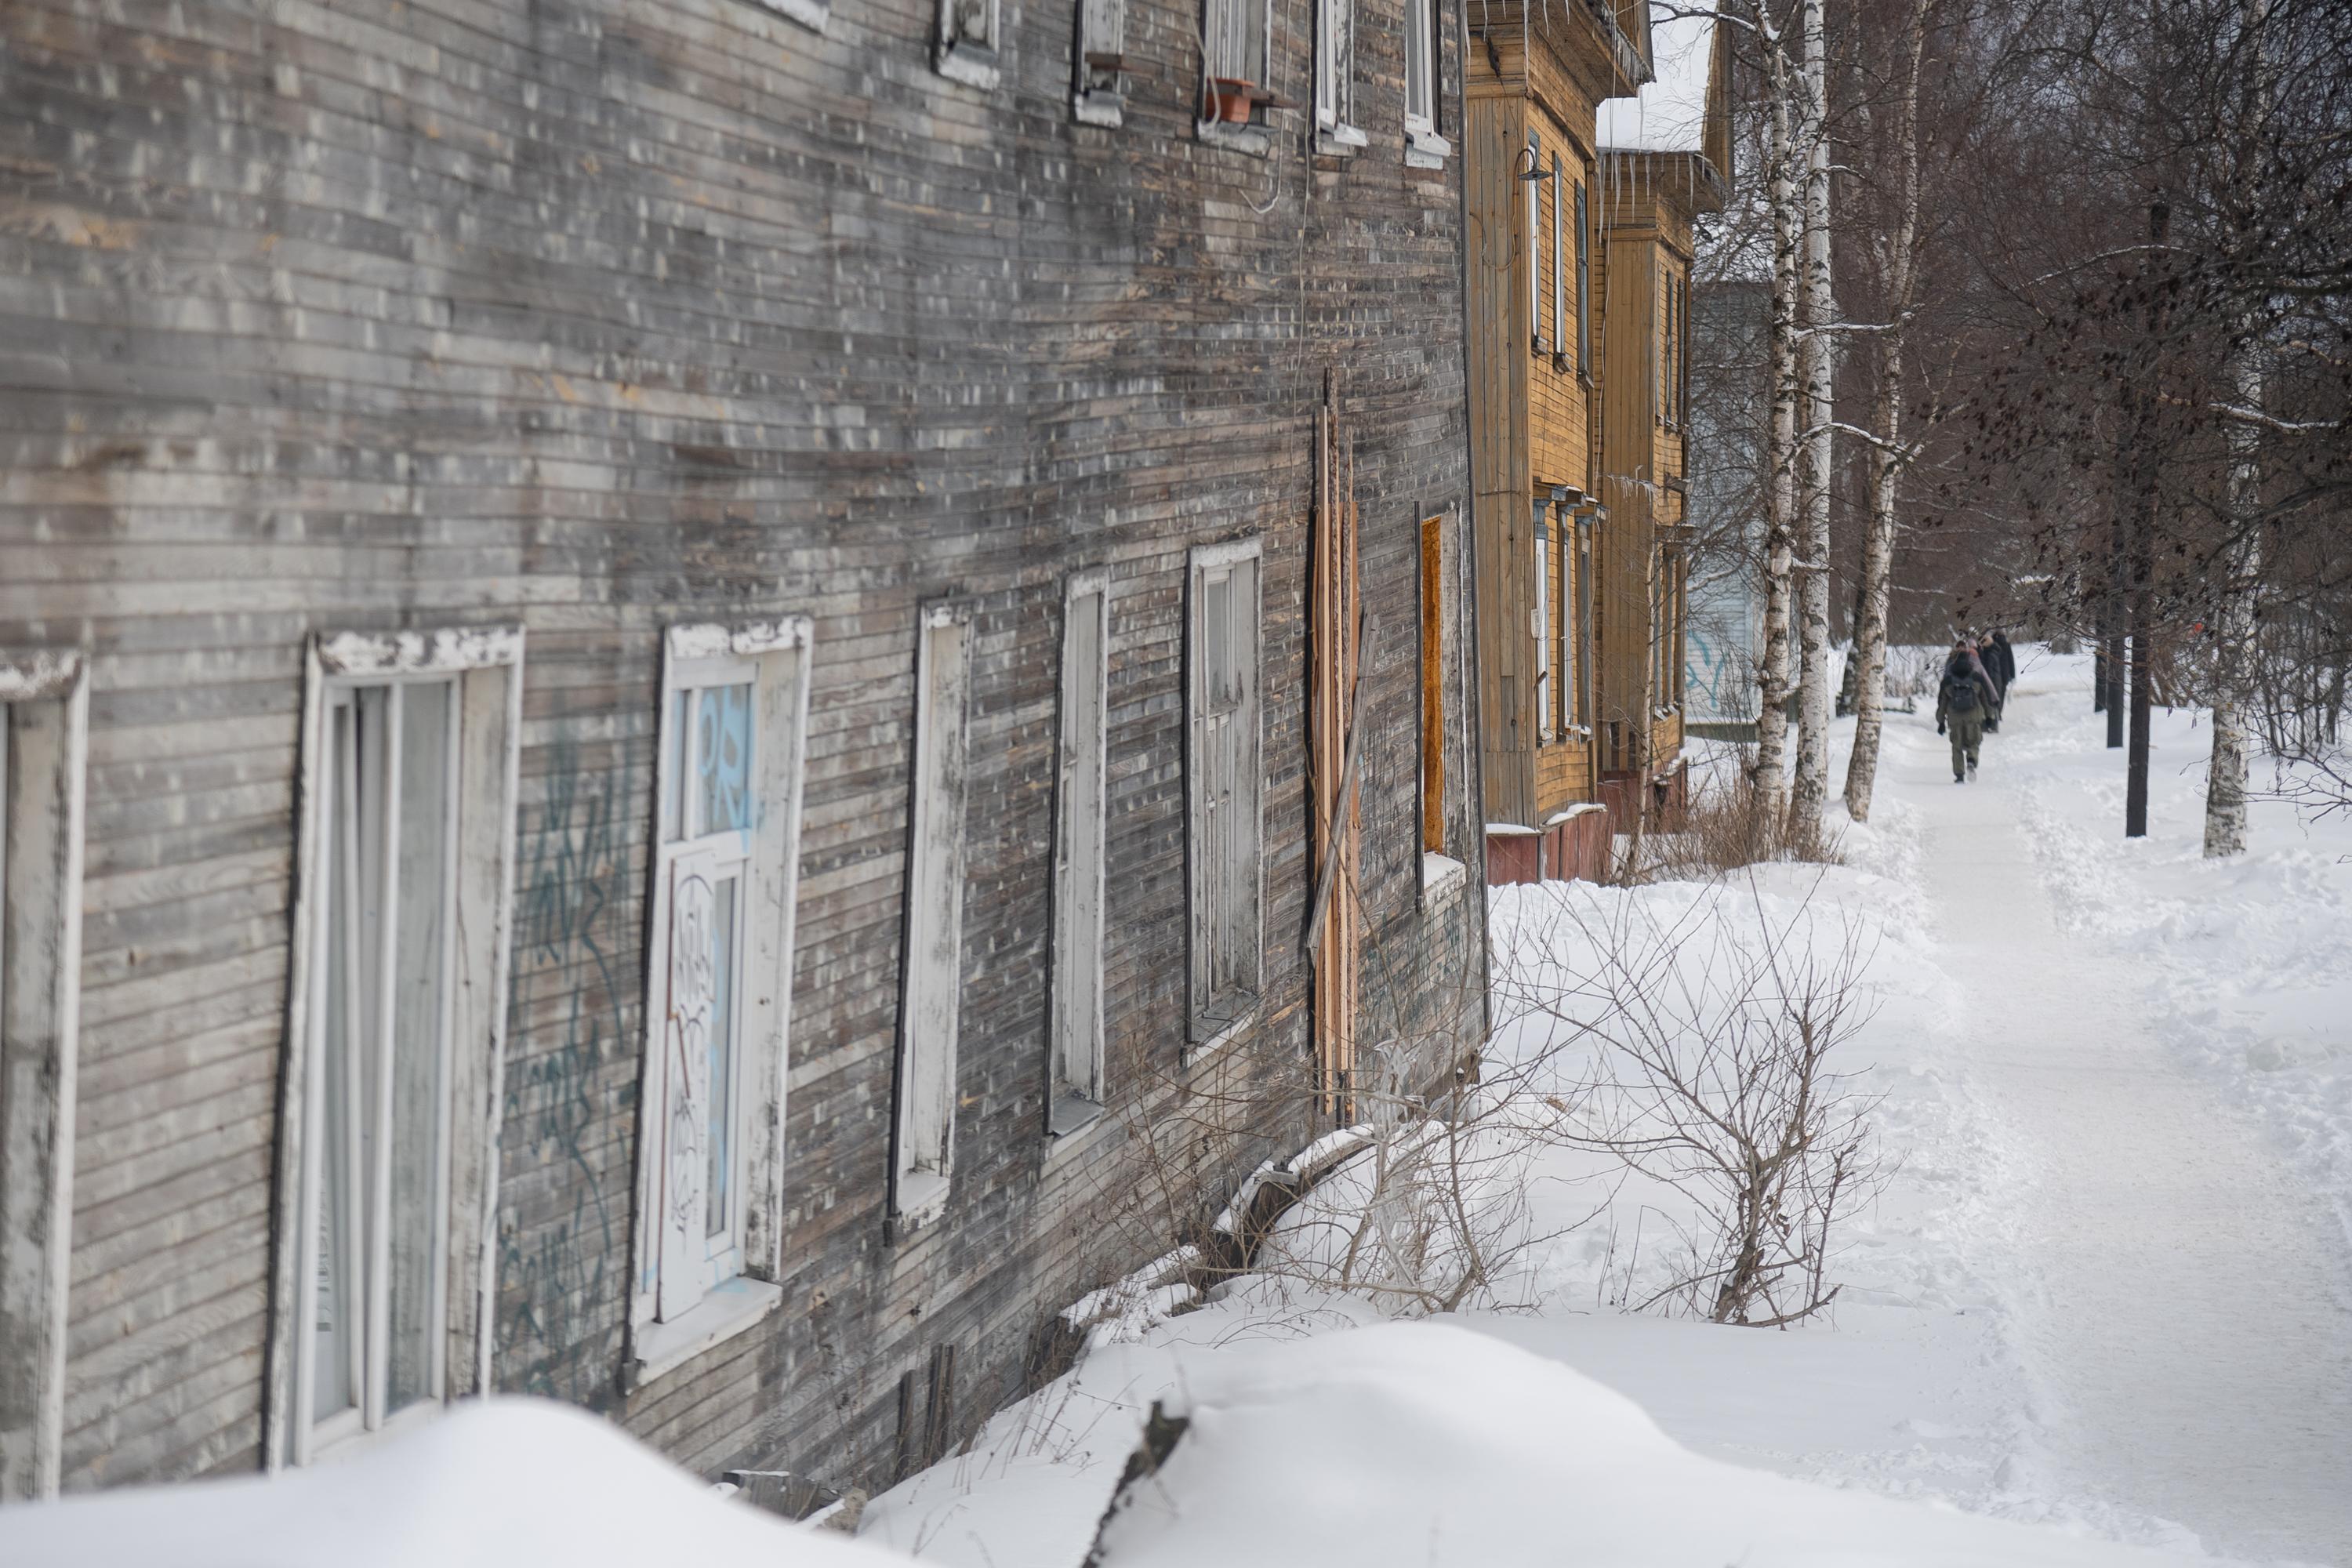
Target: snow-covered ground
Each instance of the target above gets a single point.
(2100, 1311)
(2105, 1291)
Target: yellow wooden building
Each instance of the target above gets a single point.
(1580, 251)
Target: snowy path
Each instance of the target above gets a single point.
(2190, 1322)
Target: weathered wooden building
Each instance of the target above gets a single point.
(670, 670)
(1577, 281)
(1665, 158)
(1536, 77)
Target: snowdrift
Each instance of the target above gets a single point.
(493, 1484)
(1414, 1445)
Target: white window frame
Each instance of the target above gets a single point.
(1233, 894)
(483, 666)
(1078, 1087)
(1558, 269)
(1335, 76)
(1099, 63)
(1423, 60)
(43, 759)
(1534, 181)
(922, 1154)
(1583, 289)
(1220, 22)
(1545, 703)
(681, 1305)
(810, 14)
(970, 42)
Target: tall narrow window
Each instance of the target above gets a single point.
(44, 746)
(719, 979)
(1541, 629)
(1682, 387)
(1584, 628)
(1335, 72)
(1558, 268)
(1078, 842)
(1532, 177)
(1223, 784)
(379, 1108)
(1421, 61)
(1563, 624)
(398, 1023)
(1234, 33)
(1583, 289)
(1433, 685)
(1099, 95)
(929, 1015)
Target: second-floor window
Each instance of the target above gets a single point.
(1234, 33)
(1583, 289)
(968, 41)
(1420, 58)
(1335, 72)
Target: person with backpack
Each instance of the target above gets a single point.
(1964, 700)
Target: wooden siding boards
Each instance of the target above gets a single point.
(611, 316)
(1534, 414)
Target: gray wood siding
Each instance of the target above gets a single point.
(595, 315)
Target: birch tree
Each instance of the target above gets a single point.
(1783, 201)
(2240, 577)
(1816, 344)
(1898, 265)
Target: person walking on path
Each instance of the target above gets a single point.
(1964, 700)
(2005, 676)
(1989, 660)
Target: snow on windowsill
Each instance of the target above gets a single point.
(1224, 1036)
(727, 1311)
(1442, 877)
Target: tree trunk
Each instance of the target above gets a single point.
(1812, 784)
(1779, 453)
(2147, 463)
(2242, 563)
(1885, 455)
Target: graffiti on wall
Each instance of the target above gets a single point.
(563, 1212)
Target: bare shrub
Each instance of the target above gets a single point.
(1712, 1049)
(1730, 822)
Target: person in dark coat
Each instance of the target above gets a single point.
(1989, 659)
(1964, 700)
(2006, 675)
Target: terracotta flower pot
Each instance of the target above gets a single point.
(1233, 98)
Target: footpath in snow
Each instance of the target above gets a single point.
(2178, 1279)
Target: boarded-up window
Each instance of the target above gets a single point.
(1078, 853)
(734, 706)
(44, 744)
(929, 1014)
(1223, 784)
(402, 909)
(1100, 62)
